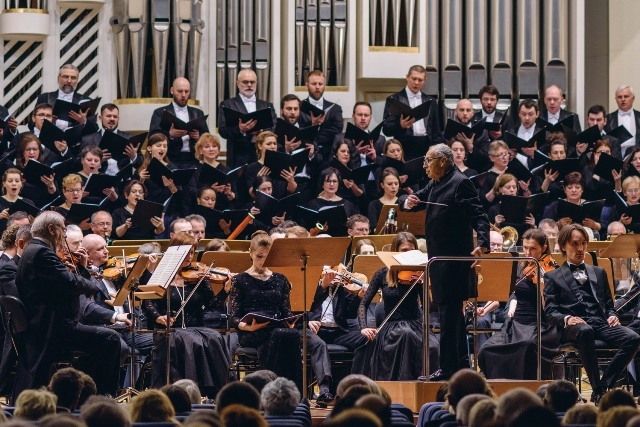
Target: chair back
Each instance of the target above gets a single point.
(14, 314)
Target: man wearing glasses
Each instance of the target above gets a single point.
(240, 135)
(453, 212)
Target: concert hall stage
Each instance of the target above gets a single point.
(414, 394)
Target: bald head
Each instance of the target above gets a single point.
(464, 111)
(96, 247)
(553, 98)
(92, 241)
(180, 91)
(247, 82)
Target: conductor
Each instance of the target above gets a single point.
(453, 212)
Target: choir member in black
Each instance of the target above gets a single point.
(72, 193)
(476, 146)
(392, 149)
(268, 141)
(123, 226)
(91, 161)
(157, 149)
(598, 187)
(395, 352)
(330, 182)
(361, 117)
(631, 165)
(512, 352)
(578, 300)
(30, 148)
(11, 188)
(550, 183)
(259, 290)
(573, 191)
(507, 185)
(390, 185)
(206, 200)
(553, 111)
(50, 293)
(460, 157)
(631, 193)
(207, 152)
(449, 226)
(527, 127)
(500, 156)
(197, 353)
(344, 152)
(264, 184)
(489, 100)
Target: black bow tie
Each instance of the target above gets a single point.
(576, 267)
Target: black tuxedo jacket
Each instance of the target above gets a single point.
(345, 306)
(496, 118)
(175, 145)
(240, 148)
(50, 98)
(560, 296)
(449, 232)
(391, 126)
(332, 125)
(8, 271)
(544, 115)
(612, 123)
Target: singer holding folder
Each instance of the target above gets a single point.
(262, 291)
(454, 211)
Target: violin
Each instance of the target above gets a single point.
(407, 277)
(352, 282)
(196, 271)
(116, 267)
(531, 270)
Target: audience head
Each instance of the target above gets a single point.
(483, 413)
(351, 380)
(464, 382)
(61, 420)
(561, 395)
(66, 384)
(616, 397)
(203, 418)
(104, 412)
(615, 417)
(88, 390)
(260, 378)
(535, 416)
(241, 416)
(179, 398)
(581, 414)
(378, 406)
(151, 406)
(279, 397)
(354, 417)
(192, 389)
(34, 404)
(463, 409)
(237, 392)
(515, 401)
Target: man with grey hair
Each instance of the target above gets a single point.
(279, 397)
(453, 212)
(198, 226)
(625, 116)
(50, 292)
(68, 78)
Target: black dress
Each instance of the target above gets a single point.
(511, 353)
(278, 348)
(396, 352)
(197, 353)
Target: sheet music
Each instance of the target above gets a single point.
(169, 265)
(414, 257)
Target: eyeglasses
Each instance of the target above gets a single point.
(73, 190)
(332, 181)
(103, 224)
(248, 82)
(430, 159)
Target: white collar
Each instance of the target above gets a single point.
(249, 99)
(411, 95)
(179, 108)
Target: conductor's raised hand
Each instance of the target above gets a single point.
(411, 201)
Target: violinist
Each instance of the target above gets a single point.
(333, 320)
(50, 292)
(511, 353)
(197, 353)
(394, 352)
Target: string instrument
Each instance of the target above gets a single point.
(352, 282)
(196, 271)
(406, 277)
(240, 227)
(116, 267)
(532, 272)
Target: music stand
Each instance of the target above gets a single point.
(623, 246)
(412, 221)
(160, 280)
(126, 293)
(310, 252)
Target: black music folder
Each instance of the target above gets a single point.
(515, 209)
(414, 169)
(308, 108)
(453, 128)
(61, 108)
(33, 170)
(516, 143)
(291, 132)
(562, 125)
(263, 118)
(496, 126)
(606, 165)
(520, 171)
(620, 133)
(168, 119)
(24, 206)
(588, 136)
(81, 211)
(50, 133)
(334, 217)
(97, 183)
(270, 206)
(210, 175)
(115, 143)
(563, 167)
(234, 216)
(144, 211)
(397, 108)
(355, 134)
(179, 176)
(359, 175)
(577, 213)
(623, 207)
(278, 161)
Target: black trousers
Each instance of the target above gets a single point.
(453, 349)
(620, 337)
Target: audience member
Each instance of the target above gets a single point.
(34, 404)
(512, 403)
(616, 417)
(242, 416)
(237, 392)
(535, 416)
(104, 412)
(560, 396)
(179, 398)
(191, 388)
(354, 417)
(616, 397)
(465, 382)
(89, 388)
(463, 409)
(378, 406)
(279, 397)
(66, 384)
(581, 414)
(203, 418)
(61, 420)
(260, 378)
(483, 413)
(151, 406)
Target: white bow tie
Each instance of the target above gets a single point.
(625, 113)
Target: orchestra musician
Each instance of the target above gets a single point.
(453, 212)
(578, 300)
(197, 353)
(511, 353)
(394, 352)
(50, 293)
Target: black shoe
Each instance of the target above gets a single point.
(596, 395)
(325, 399)
(439, 375)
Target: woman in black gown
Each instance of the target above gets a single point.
(395, 352)
(511, 353)
(122, 223)
(30, 148)
(197, 353)
(259, 290)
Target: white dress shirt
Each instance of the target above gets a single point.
(553, 118)
(183, 114)
(415, 99)
(249, 103)
(318, 103)
(63, 124)
(489, 117)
